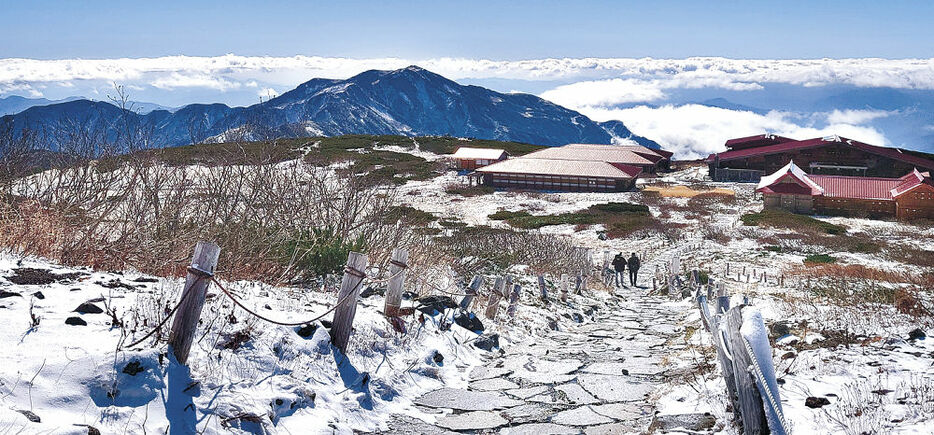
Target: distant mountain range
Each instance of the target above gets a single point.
(410, 101)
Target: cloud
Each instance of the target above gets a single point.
(646, 76)
(850, 116)
(605, 92)
(694, 131)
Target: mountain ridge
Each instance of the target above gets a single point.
(411, 101)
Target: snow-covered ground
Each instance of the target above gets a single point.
(614, 361)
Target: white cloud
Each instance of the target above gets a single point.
(856, 116)
(693, 131)
(231, 70)
(605, 92)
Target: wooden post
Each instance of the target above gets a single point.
(542, 287)
(493, 304)
(578, 285)
(472, 291)
(750, 402)
(397, 266)
(350, 289)
(185, 323)
(728, 269)
(514, 300)
(564, 287)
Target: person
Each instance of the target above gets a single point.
(633, 268)
(619, 266)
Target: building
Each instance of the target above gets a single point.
(749, 158)
(473, 158)
(650, 160)
(576, 168)
(907, 197)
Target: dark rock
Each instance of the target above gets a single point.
(431, 305)
(816, 402)
(408, 296)
(88, 308)
(75, 321)
(144, 279)
(326, 324)
(468, 321)
(31, 416)
(553, 325)
(916, 334)
(30, 276)
(487, 342)
(91, 429)
(39, 295)
(133, 368)
(589, 310)
(115, 283)
(372, 291)
(6, 294)
(438, 358)
(306, 331)
(779, 329)
(577, 317)
(267, 307)
(696, 422)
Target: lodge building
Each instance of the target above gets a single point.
(473, 158)
(750, 158)
(576, 168)
(790, 188)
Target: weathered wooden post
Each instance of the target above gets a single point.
(579, 283)
(542, 288)
(564, 287)
(349, 293)
(750, 402)
(185, 323)
(514, 300)
(397, 267)
(472, 292)
(497, 294)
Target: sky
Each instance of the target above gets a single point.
(44, 29)
(645, 63)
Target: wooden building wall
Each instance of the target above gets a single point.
(833, 154)
(794, 203)
(917, 203)
(854, 207)
(553, 182)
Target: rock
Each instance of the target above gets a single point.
(916, 334)
(583, 416)
(39, 295)
(145, 279)
(432, 305)
(133, 368)
(372, 291)
(476, 420)
(6, 294)
(694, 422)
(31, 416)
(619, 411)
(525, 393)
(75, 321)
(539, 429)
(306, 331)
(779, 329)
(493, 384)
(484, 372)
(465, 400)
(487, 342)
(614, 388)
(615, 429)
(30, 276)
(437, 357)
(576, 317)
(88, 308)
(468, 321)
(576, 394)
(529, 412)
(816, 402)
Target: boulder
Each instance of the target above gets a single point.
(75, 321)
(916, 334)
(487, 342)
(432, 305)
(468, 321)
(88, 308)
(779, 329)
(816, 402)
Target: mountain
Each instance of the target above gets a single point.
(410, 101)
(15, 104)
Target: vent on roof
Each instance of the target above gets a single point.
(831, 138)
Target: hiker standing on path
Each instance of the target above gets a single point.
(633, 268)
(619, 266)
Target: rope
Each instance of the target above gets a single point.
(168, 316)
(340, 302)
(765, 385)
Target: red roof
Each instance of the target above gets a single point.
(892, 153)
(630, 170)
(756, 141)
(912, 180)
(837, 186)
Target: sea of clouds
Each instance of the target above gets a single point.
(635, 91)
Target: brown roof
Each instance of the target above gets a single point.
(563, 167)
(592, 152)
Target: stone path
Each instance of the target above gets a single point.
(591, 378)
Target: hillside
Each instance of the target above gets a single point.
(409, 102)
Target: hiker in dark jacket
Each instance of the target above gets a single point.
(633, 268)
(619, 266)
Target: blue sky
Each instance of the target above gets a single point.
(485, 29)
